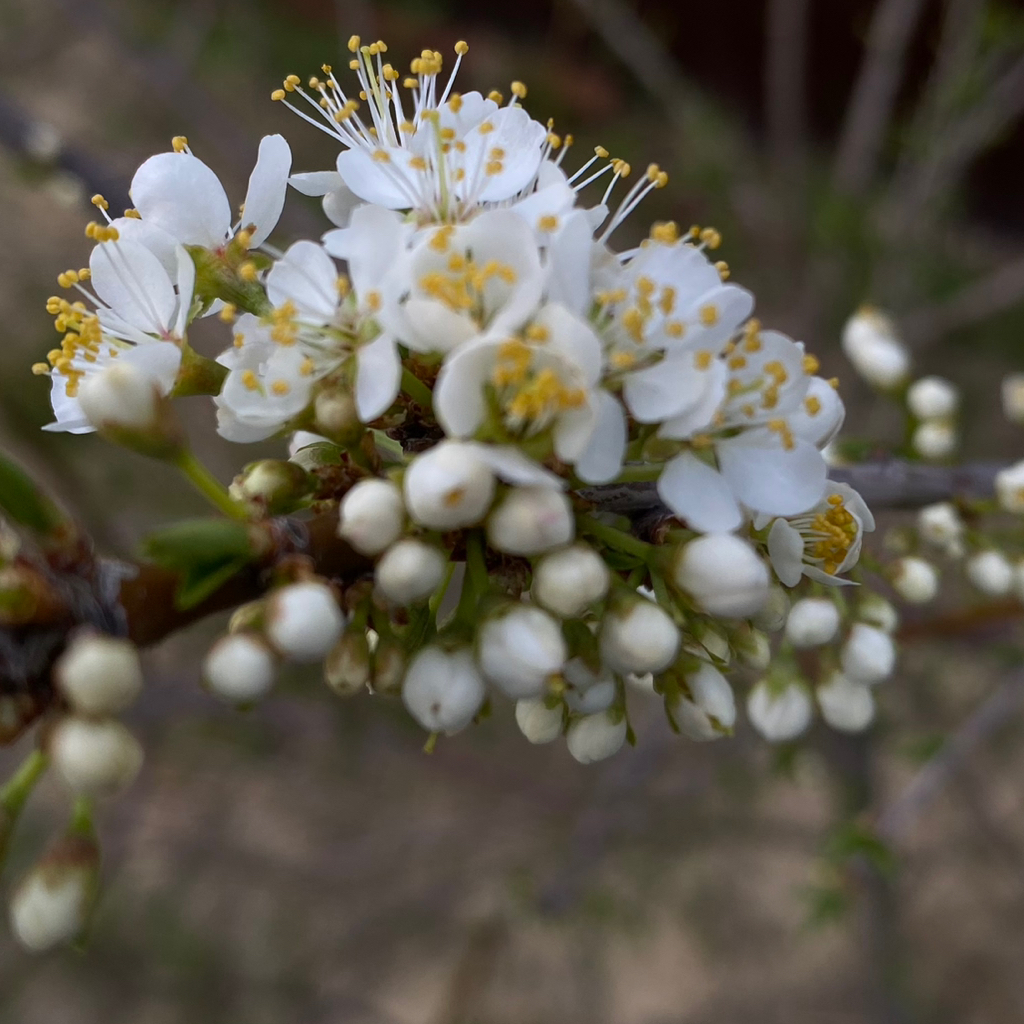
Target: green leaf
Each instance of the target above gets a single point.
(203, 581)
(856, 839)
(25, 503)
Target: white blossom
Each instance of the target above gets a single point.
(94, 757)
(638, 637)
(520, 650)
(443, 690)
(1013, 397)
(99, 675)
(51, 904)
(868, 655)
(530, 521)
(1010, 488)
(812, 621)
(723, 574)
(537, 722)
(347, 667)
(935, 439)
(915, 579)
(990, 572)
(708, 711)
(779, 713)
(933, 398)
(872, 346)
(771, 616)
(567, 582)
(846, 705)
(239, 668)
(875, 610)
(304, 621)
(448, 487)
(410, 571)
(940, 524)
(595, 737)
(371, 516)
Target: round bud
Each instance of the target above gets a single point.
(772, 615)
(304, 621)
(94, 758)
(239, 668)
(870, 343)
(568, 582)
(723, 574)
(753, 648)
(812, 621)
(371, 516)
(940, 524)
(520, 650)
(779, 714)
(120, 396)
(846, 705)
(587, 691)
(934, 439)
(388, 668)
(915, 580)
(1010, 488)
(272, 485)
(595, 737)
(932, 398)
(443, 691)
(537, 722)
(99, 675)
(876, 611)
(639, 637)
(869, 654)
(448, 487)
(709, 712)
(336, 416)
(347, 667)
(410, 571)
(531, 520)
(990, 572)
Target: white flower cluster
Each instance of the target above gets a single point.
(468, 353)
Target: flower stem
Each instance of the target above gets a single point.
(81, 817)
(416, 389)
(209, 486)
(613, 538)
(639, 474)
(18, 787)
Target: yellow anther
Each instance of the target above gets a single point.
(494, 167)
(250, 381)
(709, 315)
(382, 156)
(554, 141)
(228, 312)
(813, 405)
(343, 285)
(132, 214)
(547, 223)
(601, 152)
(702, 359)
(247, 271)
(811, 364)
(537, 332)
(711, 238)
(737, 362)
(244, 238)
(292, 80)
(277, 94)
(834, 383)
(518, 90)
(462, 47)
(485, 128)
(280, 387)
(179, 143)
(666, 232)
(495, 97)
(40, 369)
(373, 301)
(623, 360)
(98, 201)
(723, 270)
(675, 329)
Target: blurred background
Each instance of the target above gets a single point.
(306, 862)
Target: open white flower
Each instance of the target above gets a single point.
(180, 194)
(442, 156)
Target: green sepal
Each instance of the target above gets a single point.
(26, 504)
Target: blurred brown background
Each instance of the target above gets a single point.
(306, 862)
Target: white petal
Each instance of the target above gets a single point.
(132, 281)
(433, 327)
(160, 360)
(699, 494)
(365, 176)
(666, 390)
(823, 424)
(369, 245)
(573, 431)
(699, 416)
(511, 465)
(521, 138)
(786, 551)
(315, 183)
(458, 393)
(268, 183)
(568, 271)
(306, 276)
(572, 338)
(602, 459)
(378, 373)
(339, 203)
(161, 244)
(179, 193)
(767, 477)
(185, 279)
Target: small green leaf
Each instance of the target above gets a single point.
(25, 503)
(197, 542)
(203, 581)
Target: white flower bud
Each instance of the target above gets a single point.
(347, 666)
(1013, 397)
(709, 642)
(933, 398)
(990, 572)
(410, 571)
(869, 654)
(1010, 488)
(239, 668)
(595, 737)
(52, 902)
(935, 439)
(640, 637)
(448, 487)
(812, 621)
(568, 582)
(870, 343)
(531, 520)
(710, 711)
(940, 524)
(753, 648)
(443, 691)
(588, 692)
(876, 611)
(336, 415)
(772, 615)
(846, 705)
(915, 580)
(520, 650)
(723, 574)
(537, 722)
(304, 621)
(271, 485)
(371, 516)
(121, 396)
(99, 675)
(779, 714)
(95, 758)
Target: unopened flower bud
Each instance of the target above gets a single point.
(304, 621)
(94, 758)
(531, 520)
(588, 691)
(812, 621)
(915, 580)
(347, 666)
(537, 722)
(271, 485)
(239, 668)
(869, 654)
(443, 691)
(388, 662)
(595, 737)
(846, 705)
(876, 611)
(772, 615)
(520, 650)
(709, 642)
(752, 647)
(51, 904)
(990, 572)
(779, 713)
(372, 516)
(940, 524)
(934, 439)
(723, 574)
(870, 343)
(448, 487)
(709, 712)
(1010, 488)
(1013, 397)
(410, 571)
(99, 675)
(568, 582)
(335, 415)
(639, 637)
(932, 398)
